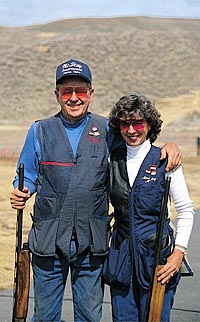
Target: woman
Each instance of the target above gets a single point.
(137, 181)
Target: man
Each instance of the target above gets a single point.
(66, 163)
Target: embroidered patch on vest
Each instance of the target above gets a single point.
(94, 131)
(148, 179)
(152, 170)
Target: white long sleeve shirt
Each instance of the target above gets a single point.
(178, 192)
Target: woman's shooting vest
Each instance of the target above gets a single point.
(137, 210)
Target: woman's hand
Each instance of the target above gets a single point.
(171, 267)
(18, 198)
(171, 150)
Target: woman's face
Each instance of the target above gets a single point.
(134, 130)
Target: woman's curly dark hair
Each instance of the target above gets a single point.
(136, 105)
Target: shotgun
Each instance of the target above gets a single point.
(22, 266)
(157, 289)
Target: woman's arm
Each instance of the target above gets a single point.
(185, 218)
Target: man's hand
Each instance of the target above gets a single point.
(171, 267)
(18, 198)
(171, 150)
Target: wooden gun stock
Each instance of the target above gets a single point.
(21, 296)
(157, 297)
(22, 267)
(157, 290)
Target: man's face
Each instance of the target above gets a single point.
(74, 97)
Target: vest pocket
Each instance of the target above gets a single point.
(117, 265)
(100, 234)
(42, 237)
(44, 208)
(150, 204)
(146, 258)
(99, 201)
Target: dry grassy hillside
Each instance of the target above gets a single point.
(159, 57)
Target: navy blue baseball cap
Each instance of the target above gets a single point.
(73, 67)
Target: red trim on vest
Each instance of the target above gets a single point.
(61, 164)
(93, 139)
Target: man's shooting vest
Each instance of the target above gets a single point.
(72, 190)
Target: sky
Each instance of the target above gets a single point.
(16, 13)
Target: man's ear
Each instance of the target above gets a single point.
(56, 92)
(91, 94)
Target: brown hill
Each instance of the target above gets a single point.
(158, 57)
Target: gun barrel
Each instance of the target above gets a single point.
(22, 266)
(157, 290)
(20, 212)
(161, 223)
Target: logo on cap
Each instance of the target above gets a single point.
(73, 67)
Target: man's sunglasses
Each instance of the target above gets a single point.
(136, 124)
(67, 91)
